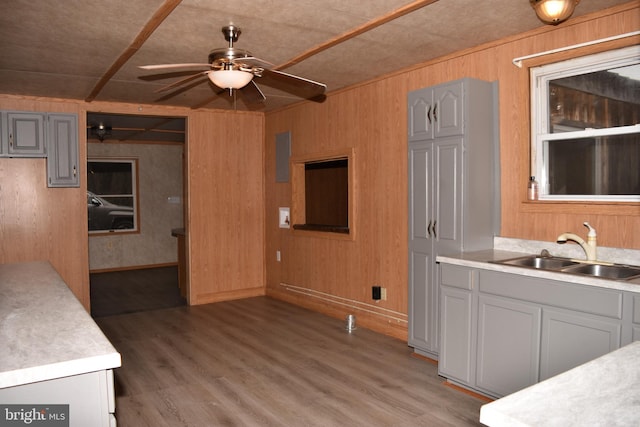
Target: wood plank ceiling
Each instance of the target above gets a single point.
(91, 49)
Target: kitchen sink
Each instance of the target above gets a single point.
(539, 262)
(565, 265)
(616, 272)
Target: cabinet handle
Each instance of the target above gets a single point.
(10, 140)
(74, 171)
(429, 228)
(435, 114)
(429, 114)
(435, 234)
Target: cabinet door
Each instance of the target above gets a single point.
(421, 110)
(26, 136)
(62, 160)
(448, 195)
(448, 109)
(421, 256)
(455, 359)
(570, 339)
(508, 345)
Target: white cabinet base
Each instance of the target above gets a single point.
(90, 397)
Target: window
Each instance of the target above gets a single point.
(112, 195)
(586, 127)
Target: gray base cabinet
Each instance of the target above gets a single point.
(502, 332)
(452, 194)
(508, 355)
(571, 339)
(457, 313)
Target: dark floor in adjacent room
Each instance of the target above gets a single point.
(131, 291)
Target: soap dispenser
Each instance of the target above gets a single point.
(532, 190)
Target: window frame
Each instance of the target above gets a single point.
(298, 193)
(134, 190)
(540, 134)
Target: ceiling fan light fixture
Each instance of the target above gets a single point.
(553, 11)
(230, 79)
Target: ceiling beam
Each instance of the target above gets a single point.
(158, 18)
(367, 26)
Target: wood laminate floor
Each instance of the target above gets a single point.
(263, 362)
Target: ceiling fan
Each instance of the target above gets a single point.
(234, 69)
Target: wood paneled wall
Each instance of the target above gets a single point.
(372, 119)
(224, 199)
(225, 228)
(41, 223)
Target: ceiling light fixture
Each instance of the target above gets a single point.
(553, 11)
(101, 131)
(230, 79)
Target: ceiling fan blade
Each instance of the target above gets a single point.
(182, 81)
(252, 94)
(169, 66)
(295, 85)
(256, 62)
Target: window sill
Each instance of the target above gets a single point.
(335, 233)
(581, 207)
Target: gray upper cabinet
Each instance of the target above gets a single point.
(437, 111)
(23, 134)
(453, 192)
(50, 135)
(62, 159)
(447, 110)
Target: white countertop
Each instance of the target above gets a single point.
(603, 392)
(483, 259)
(45, 333)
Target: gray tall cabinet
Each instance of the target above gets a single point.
(453, 189)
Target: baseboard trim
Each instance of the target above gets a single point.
(212, 297)
(465, 390)
(133, 267)
(363, 319)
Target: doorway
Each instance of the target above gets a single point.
(156, 146)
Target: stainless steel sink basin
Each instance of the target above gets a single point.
(565, 265)
(616, 272)
(539, 262)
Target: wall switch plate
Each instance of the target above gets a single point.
(284, 218)
(278, 257)
(376, 293)
(383, 294)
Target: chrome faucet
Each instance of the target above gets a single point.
(590, 246)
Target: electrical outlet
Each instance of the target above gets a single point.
(383, 294)
(278, 257)
(376, 293)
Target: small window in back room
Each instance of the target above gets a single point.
(112, 195)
